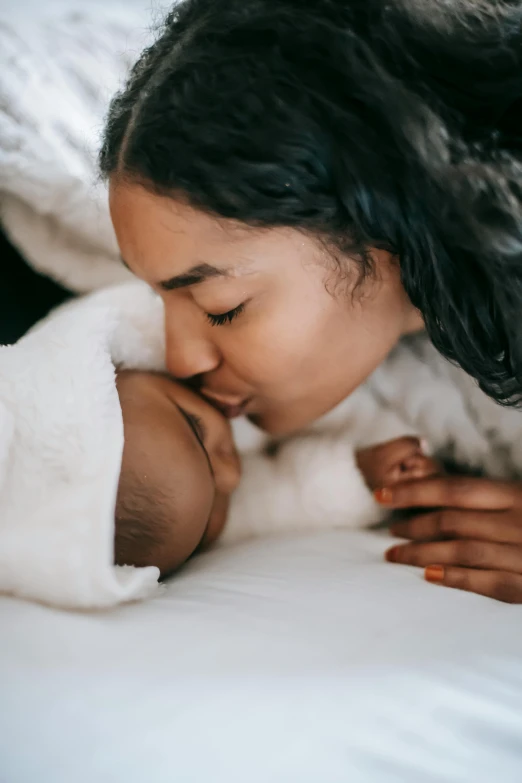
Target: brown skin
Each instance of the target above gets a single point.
(305, 339)
(402, 459)
(193, 477)
(286, 353)
(469, 537)
(190, 481)
(189, 477)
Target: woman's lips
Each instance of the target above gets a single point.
(231, 407)
(232, 411)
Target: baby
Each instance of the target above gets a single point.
(180, 467)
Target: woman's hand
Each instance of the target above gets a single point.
(466, 532)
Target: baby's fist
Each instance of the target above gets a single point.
(397, 460)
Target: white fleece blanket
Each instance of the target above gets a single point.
(58, 70)
(61, 436)
(60, 422)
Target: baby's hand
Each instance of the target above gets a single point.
(397, 460)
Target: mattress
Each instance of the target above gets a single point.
(290, 660)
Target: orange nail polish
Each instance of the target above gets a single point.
(383, 496)
(434, 573)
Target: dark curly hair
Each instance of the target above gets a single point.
(368, 123)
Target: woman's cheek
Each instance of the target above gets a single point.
(264, 354)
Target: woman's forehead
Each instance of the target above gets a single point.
(172, 246)
(134, 205)
(160, 238)
(150, 225)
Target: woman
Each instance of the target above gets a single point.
(306, 185)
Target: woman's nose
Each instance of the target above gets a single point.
(188, 352)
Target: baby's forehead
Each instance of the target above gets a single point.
(166, 445)
(133, 385)
(157, 388)
(161, 451)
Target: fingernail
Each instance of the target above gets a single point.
(434, 573)
(424, 446)
(383, 496)
(391, 554)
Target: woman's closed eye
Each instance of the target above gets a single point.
(221, 319)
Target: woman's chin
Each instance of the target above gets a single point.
(277, 424)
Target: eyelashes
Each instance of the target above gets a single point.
(197, 426)
(225, 318)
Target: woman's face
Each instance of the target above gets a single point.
(264, 318)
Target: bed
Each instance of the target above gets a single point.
(291, 660)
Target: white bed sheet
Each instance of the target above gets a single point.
(304, 660)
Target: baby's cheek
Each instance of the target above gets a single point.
(218, 519)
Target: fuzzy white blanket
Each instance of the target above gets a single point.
(58, 70)
(60, 422)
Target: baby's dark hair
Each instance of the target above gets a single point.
(393, 124)
(140, 523)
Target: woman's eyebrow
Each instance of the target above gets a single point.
(197, 274)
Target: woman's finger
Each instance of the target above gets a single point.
(461, 552)
(453, 492)
(498, 526)
(501, 585)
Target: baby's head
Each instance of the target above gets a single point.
(179, 468)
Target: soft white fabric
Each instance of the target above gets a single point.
(289, 660)
(62, 439)
(313, 482)
(57, 73)
(443, 402)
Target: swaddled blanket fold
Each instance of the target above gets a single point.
(61, 442)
